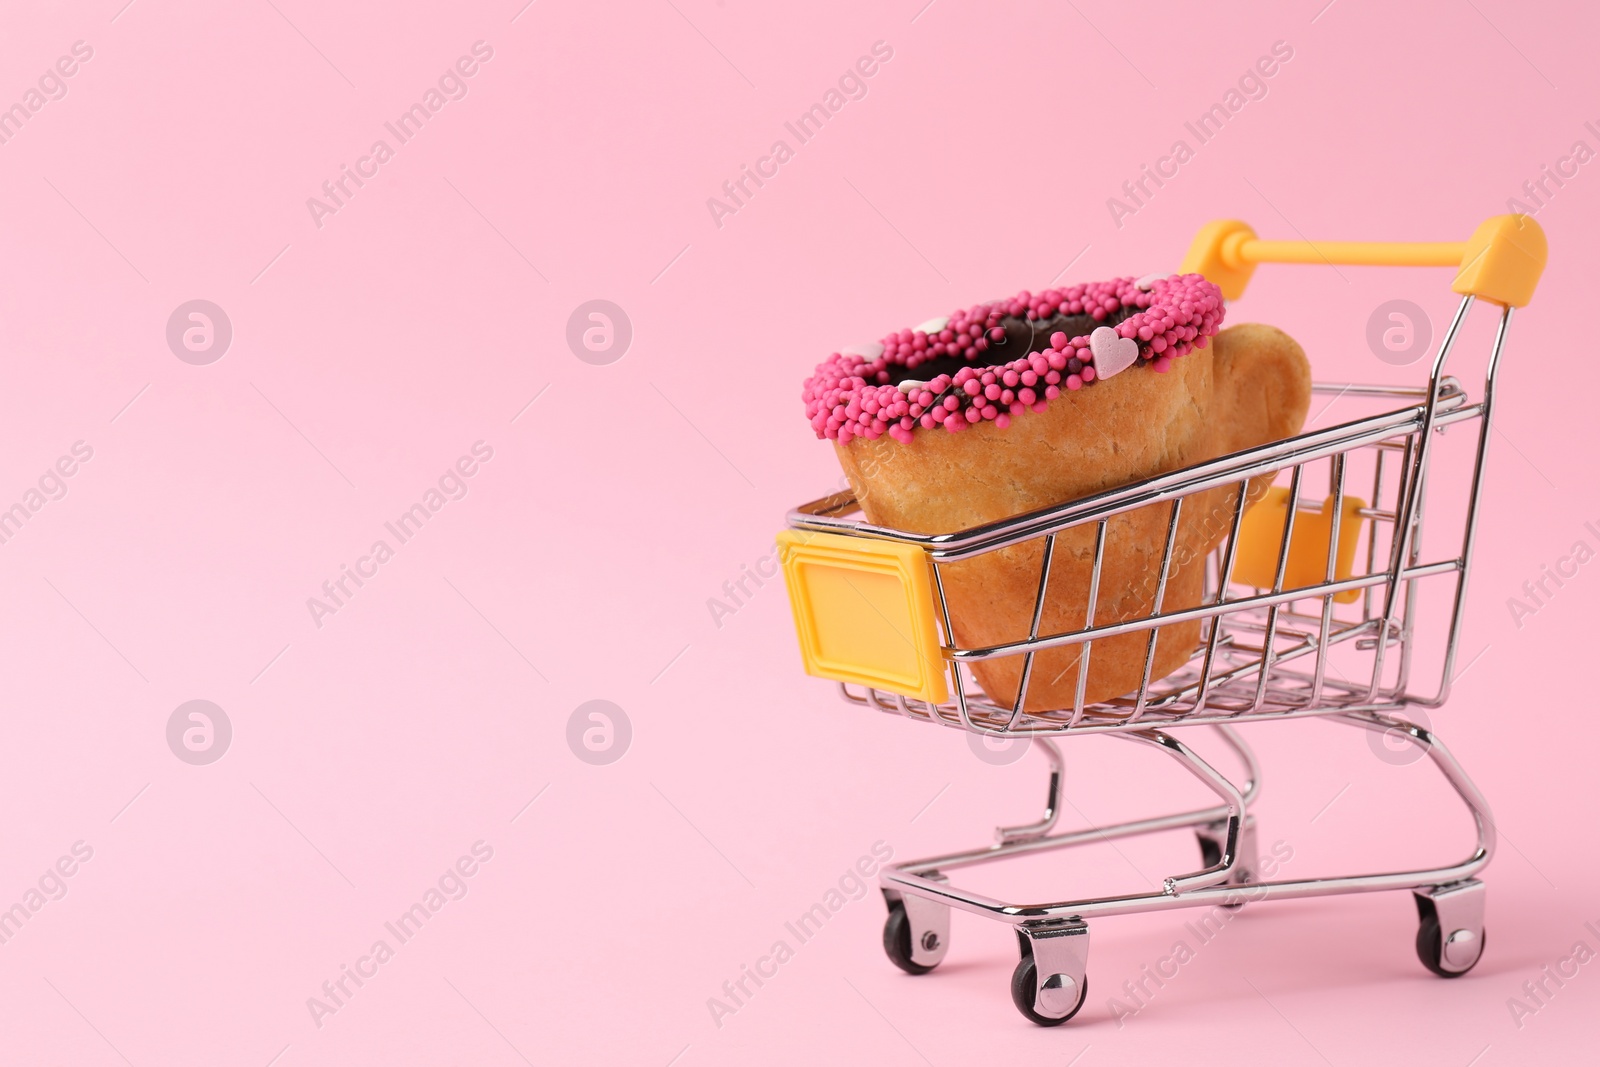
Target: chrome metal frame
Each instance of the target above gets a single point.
(1261, 657)
(1214, 885)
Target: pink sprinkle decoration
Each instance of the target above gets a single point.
(851, 395)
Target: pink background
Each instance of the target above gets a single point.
(368, 354)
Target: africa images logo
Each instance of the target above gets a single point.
(737, 192)
(452, 485)
(452, 85)
(452, 885)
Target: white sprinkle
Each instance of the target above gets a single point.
(868, 350)
(911, 385)
(1147, 281)
(934, 325)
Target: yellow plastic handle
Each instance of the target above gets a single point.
(1501, 261)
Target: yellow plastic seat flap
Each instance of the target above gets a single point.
(864, 612)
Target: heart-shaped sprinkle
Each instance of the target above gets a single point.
(1113, 354)
(1148, 281)
(933, 326)
(868, 350)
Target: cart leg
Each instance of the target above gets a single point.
(1006, 835)
(1224, 868)
(1051, 982)
(1450, 936)
(916, 934)
(1214, 839)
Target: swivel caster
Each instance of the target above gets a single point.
(1055, 995)
(1049, 985)
(1450, 932)
(916, 935)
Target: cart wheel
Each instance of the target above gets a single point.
(897, 941)
(1210, 856)
(1024, 980)
(1431, 949)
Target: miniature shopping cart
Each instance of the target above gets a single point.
(1311, 608)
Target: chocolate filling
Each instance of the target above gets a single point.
(1023, 337)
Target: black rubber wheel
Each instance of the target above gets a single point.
(1023, 981)
(1430, 946)
(1210, 856)
(897, 941)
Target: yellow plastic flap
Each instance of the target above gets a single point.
(1261, 536)
(864, 612)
